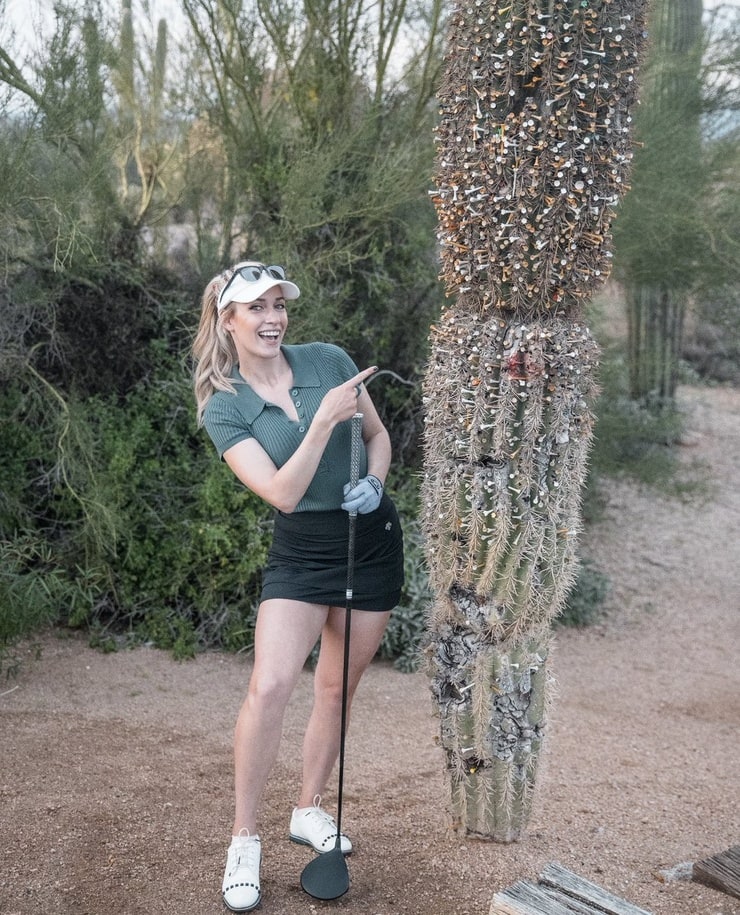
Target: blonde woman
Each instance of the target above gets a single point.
(279, 416)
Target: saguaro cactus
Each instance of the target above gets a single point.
(142, 147)
(659, 278)
(533, 154)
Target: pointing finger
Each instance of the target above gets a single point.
(361, 376)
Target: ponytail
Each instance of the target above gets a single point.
(213, 349)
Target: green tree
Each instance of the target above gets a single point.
(661, 231)
(86, 101)
(87, 325)
(321, 130)
(714, 337)
(677, 253)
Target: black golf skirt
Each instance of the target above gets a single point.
(308, 558)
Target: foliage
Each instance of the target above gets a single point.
(403, 636)
(36, 591)
(658, 236)
(712, 347)
(87, 170)
(320, 157)
(629, 438)
(32, 590)
(584, 605)
(289, 138)
(112, 170)
(131, 496)
(676, 237)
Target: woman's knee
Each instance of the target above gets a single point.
(270, 692)
(328, 691)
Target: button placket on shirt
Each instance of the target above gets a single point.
(298, 403)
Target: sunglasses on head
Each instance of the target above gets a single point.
(251, 273)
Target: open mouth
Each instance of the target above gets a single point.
(270, 335)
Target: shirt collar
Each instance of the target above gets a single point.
(304, 371)
(304, 376)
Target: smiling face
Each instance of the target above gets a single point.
(257, 328)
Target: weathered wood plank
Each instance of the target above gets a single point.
(570, 884)
(526, 899)
(575, 906)
(721, 871)
(560, 892)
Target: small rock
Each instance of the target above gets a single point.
(682, 871)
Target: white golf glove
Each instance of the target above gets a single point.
(365, 497)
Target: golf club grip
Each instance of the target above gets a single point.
(355, 451)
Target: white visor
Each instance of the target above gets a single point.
(240, 290)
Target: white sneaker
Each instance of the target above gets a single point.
(315, 827)
(241, 885)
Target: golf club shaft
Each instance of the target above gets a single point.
(354, 473)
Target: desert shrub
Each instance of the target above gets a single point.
(35, 591)
(585, 603)
(30, 588)
(169, 545)
(189, 540)
(130, 498)
(712, 345)
(629, 438)
(403, 636)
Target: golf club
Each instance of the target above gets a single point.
(327, 875)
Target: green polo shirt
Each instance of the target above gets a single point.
(317, 367)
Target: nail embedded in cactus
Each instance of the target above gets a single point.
(534, 150)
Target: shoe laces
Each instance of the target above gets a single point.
(244, 852)
(318, 815)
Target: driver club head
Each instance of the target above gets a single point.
(326, 876)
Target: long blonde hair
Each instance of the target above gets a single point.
(213, 349)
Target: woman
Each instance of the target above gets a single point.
(279, 415)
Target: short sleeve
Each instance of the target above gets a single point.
(224, 424)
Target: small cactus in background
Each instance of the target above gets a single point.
(659, 279)
(144, 154)
(534, 151)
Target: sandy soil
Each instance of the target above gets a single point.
(115, 770)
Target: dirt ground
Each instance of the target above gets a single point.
(115, 770)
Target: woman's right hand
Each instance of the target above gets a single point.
(340, 403)
(284, 487)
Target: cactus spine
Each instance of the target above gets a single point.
(534, 150)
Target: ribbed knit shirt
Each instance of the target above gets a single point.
(317, 367)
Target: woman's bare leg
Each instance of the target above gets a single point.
(285, 633)
(321, 741)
